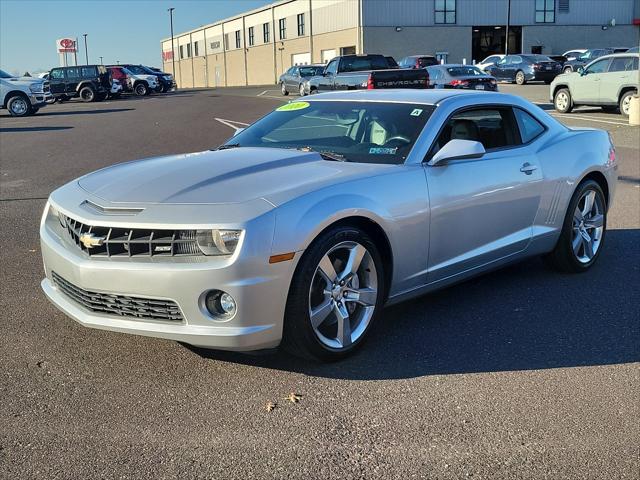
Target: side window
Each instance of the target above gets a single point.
(530, 128)
(599, 66)
(332, 67)
(73, 73)
(88, 71)
(505, 60)
(623, 64)
(494, 127)
(57, 74)
(516, 59)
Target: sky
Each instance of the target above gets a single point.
(126, 30)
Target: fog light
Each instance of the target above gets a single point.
(220, 303)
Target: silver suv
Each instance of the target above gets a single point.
(23, 96)
(609, 82)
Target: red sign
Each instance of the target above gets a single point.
(66, 45)
(166, 56)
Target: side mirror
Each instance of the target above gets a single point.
(581, 71)
(458, 150)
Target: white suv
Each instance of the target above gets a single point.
(23, 96)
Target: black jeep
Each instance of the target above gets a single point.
(89, 82)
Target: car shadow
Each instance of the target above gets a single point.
(84, 112)
(523, 317)
(32, 129)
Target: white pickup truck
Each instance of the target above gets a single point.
(24, 95)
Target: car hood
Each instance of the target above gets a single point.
(223, 176)
(25, 80)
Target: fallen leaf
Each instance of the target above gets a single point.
(270, 406)
(294, 397)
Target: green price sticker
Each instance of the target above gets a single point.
(290, 107)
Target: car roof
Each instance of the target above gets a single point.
(621, 54)
(406, 95)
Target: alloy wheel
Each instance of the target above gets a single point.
(520, 78)
(562, 101)
(626, 105)
(343, 295)
(19, 106)
(588, 226)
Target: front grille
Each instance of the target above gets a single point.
(45, 87)
(120, 305)
(130, 242)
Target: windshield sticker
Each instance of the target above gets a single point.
(383, 151)
(289, 107)
(416, 112)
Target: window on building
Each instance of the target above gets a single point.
(300, 24)
(265, 33)
(188, 50)
(238, 41)
(445, 11)
(251, 37)
(282, 25)
(181, 52)
(545, 11)
(195, 49)
(226, 41)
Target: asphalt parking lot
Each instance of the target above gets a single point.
(521, 373)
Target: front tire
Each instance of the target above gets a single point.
(335, 296)
(140, 89)
(625, 102)
(520, 78)
(567, 70)
(19, 106)
(301, 91)
(283, 89)
(583, 230)
(562, 101)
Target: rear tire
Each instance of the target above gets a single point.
(140, 89)
(87, 94)
(520, 78)
(583, 230)
(343, 311)
(19, 106)
(301, 91)
(625, 102)
(562, 101)
(567, 70)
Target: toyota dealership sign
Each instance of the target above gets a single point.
(66, 45)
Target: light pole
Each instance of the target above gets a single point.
(101, 63)
(173, 57)
(86, 52)
(506, 41)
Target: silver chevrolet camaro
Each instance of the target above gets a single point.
(300, 228)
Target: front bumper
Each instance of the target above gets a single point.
(40, 99)
(258, 287)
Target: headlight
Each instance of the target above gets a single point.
(37, 87)
(55, 214)
(218, 242)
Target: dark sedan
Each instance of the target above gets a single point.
(461, 76)
(293, 79)
(587, 57)
(525, 68)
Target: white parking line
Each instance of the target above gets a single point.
(589, 119)
(230, 123)
(260, 94)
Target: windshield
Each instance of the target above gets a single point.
(586, 55)
(137, 69)
(464, 71)
(4, 74)
(311, 71)
(364, 132)
(358, 64)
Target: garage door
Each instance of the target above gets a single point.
(301, 59)
(327, 55)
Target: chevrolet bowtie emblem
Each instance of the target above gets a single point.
(89, 240)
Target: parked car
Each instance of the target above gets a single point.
(300, 228)
(573, 54)
(561, 59)
(418, 61)
(525, 68)
(392, 62)
(116, 89)
(609, 81)
(634, 50)
(620, 49)
(490, 61)
(352, 72)
(88, 82)
(586, 57)
(165, 82)
(467, 77)
(293, 79)
(139, 83)
(23, 96)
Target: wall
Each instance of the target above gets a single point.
(334, 40)
(559, 40)
(419, 40)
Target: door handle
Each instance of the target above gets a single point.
(528, 168)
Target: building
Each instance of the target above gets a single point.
(256, 47)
